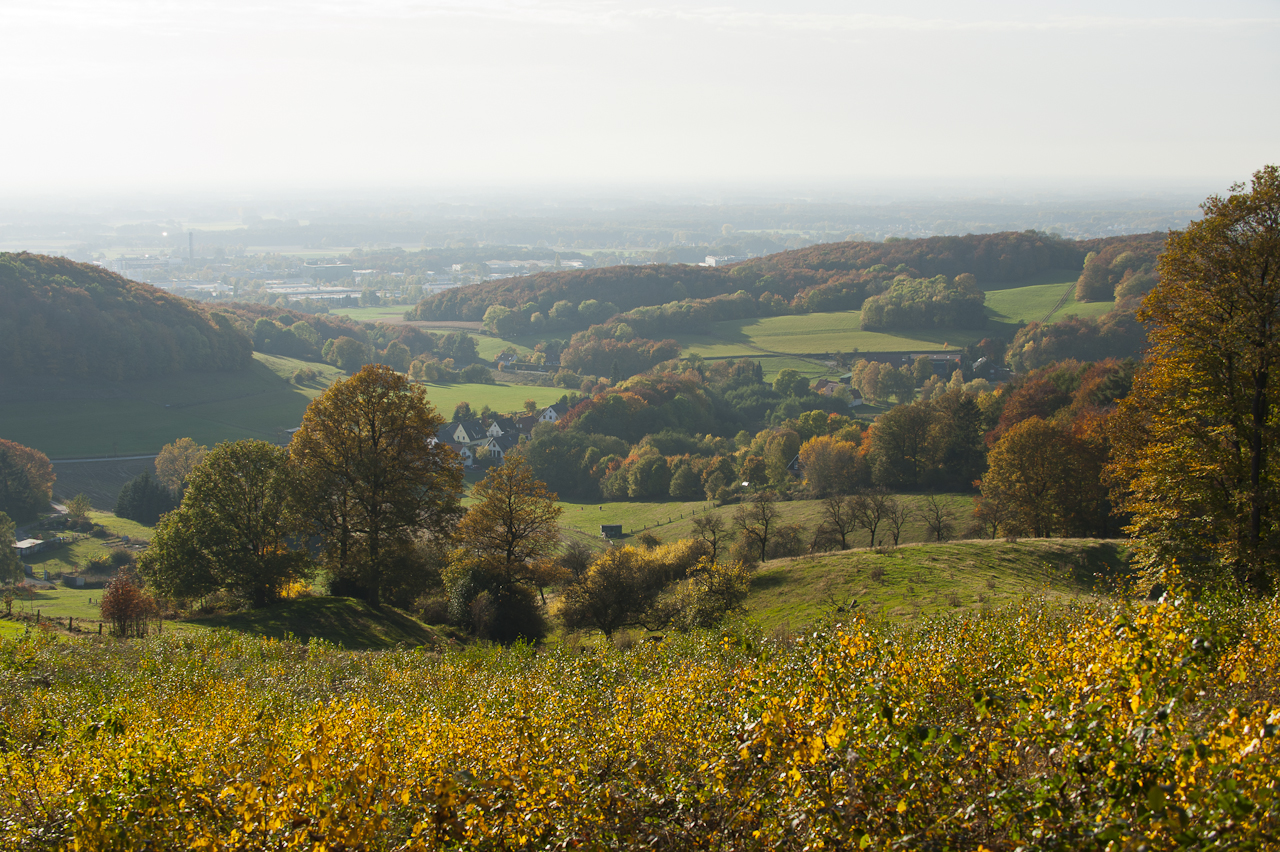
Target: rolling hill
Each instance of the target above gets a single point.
(69, 320)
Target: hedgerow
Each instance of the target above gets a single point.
(1042, 726)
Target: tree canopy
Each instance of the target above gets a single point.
(505, 544)
(26, 481)
(1197, 459)
(370, 475)
(232, 529)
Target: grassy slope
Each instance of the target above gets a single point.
(928, 579)
(347, 622)
(72, 420)
(500, 397)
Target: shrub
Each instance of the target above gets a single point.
(126, 607)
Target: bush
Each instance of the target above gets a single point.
(126, 607)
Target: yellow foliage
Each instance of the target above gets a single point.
(1117, 726)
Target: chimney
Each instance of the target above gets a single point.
(191, 246)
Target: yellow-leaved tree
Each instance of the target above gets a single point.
(1196, 457)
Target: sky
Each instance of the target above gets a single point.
(146, 95)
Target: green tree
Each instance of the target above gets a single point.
(78, 507)
(397, 356)
(232, 529)
(1028, 471)
(685, 484)
(620, 589)
(790, 383)
(144, 499)
(1197, 442)
(371, 477)
(350, 354)
(506, 544)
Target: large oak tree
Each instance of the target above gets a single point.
(371, 476)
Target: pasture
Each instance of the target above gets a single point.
(906, 584)
(674, 519)
(382, 313)
(68, 420)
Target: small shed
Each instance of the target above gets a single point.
(611, 530)
(28, 546)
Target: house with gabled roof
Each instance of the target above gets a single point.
(468, 432)
(552, 413)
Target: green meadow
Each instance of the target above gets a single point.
(673, 520)
(921, 580)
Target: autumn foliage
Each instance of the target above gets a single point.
(1042, 726)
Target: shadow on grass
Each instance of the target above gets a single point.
(347, 622)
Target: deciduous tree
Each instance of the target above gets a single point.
(507, 541)
(1197, 458)
(10, 564)
(26, 481)
(756, 518)
(176, 461)
(370, 474)
(232, 529)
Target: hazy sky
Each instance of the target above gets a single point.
(201, 94)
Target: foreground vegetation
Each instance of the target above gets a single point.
(1042, 725)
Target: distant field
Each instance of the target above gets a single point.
(1033, 303)
(501, 398)
(69, 420)
(817, 335)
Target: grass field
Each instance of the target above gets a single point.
(500, 397)
(917, 581)
(97, 420)
(1034, 303)
(674, 519)
(345, 622)
(99, 480)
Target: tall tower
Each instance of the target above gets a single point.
(191, 246)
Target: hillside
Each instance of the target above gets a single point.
(821, 277)
(69, 320)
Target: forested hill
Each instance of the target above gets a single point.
(829, 276)
(75, 320)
